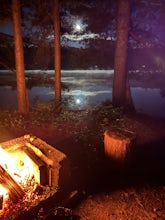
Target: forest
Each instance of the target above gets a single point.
(145, 41)
(115, 41)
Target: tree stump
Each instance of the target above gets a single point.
(117, 143)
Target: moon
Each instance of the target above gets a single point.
(78, 27)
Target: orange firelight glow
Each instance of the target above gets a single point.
(3, 191)
(18, 165)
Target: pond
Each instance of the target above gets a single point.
(89, 88)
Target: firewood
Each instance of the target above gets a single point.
(39, 153)
(15, 191)
(1, 201)
(41, 170)
(13, 148)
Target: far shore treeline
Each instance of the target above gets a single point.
(98, 55)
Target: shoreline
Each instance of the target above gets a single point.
(63, 71)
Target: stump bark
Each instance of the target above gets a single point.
(117, 143)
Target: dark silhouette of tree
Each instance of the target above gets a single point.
(57, 52)
(120, 81)
(22, 95)
(45, 17)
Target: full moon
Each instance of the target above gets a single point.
(78, 27)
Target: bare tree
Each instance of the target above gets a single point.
(57, 52)
(121, 93)
(22, 95)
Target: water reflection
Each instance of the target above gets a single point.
(8, 97)
(148, 101)
(87, 88)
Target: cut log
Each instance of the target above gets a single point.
(39, 153)
(41, 172)
(1, 201)
(117, 143)
(14, 190)
(12, 148)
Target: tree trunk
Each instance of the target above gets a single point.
(19, 59)
(57, 52)
(129, 105)
(120, 78)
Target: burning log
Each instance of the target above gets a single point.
(39, 153)
(42, 171)
(15, 191)
(1, 202)
(13, 148)
(56, 162)
(32, 158)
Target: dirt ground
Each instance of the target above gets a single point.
(100, 189)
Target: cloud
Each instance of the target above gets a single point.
(75, 37)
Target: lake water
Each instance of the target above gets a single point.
(89, 87)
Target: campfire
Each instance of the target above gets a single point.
(29, 174)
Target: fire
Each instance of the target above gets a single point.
(28, 175)
(6, 160)
(3, 191)
(17, 164)
(22, 167)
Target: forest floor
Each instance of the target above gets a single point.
(100, 192)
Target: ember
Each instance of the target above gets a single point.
(28, 174)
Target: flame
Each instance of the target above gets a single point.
(21, 167)
(3, 191)
(17, 164)
(6, 161)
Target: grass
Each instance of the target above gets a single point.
(47, 113)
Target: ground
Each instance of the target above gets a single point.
(99, 191)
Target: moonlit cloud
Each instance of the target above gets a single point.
(75, 37)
